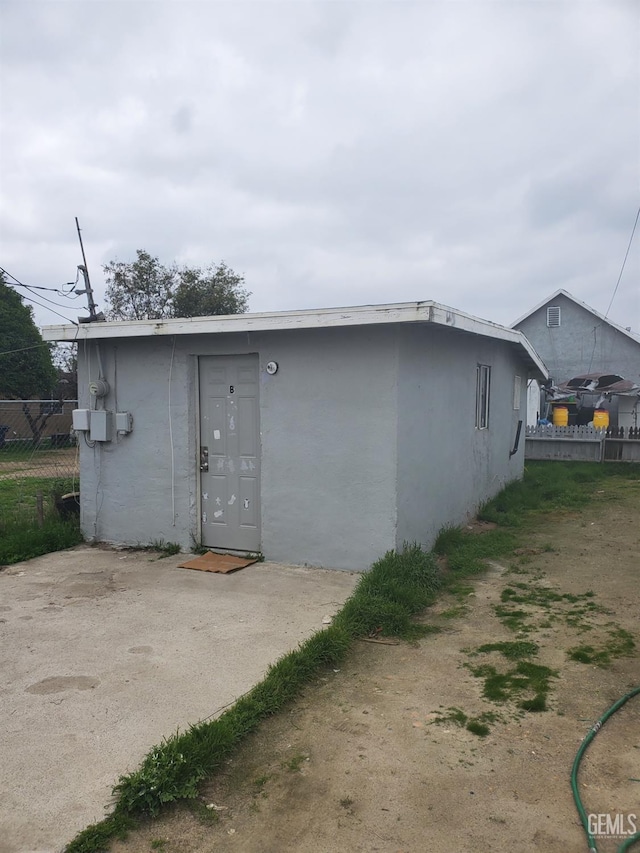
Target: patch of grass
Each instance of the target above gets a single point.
(97, 837)
(205, 815)
(18, 496)
(513, 619)
(21, 538)
(158, 843)
(459, 589)
(22, 541)
(454, 612)
(397, 588)
(538, 703)
(512, 651)
(478, 728)
(620, 644)
(466, 552)
(551, 486)
(346, 802)
(453, 715)
(525, 677)
(572, 608)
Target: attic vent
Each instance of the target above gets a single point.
(553, 316)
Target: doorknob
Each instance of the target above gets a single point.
(204, 458)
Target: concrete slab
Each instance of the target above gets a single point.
(103, 653)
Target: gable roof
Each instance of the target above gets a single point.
(364, 315)
(635, 338)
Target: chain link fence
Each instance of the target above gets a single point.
(38, 459)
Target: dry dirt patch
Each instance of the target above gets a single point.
(360, 763)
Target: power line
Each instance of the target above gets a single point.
(46, 308)
(35, 301)
(18, 283)
(624, 262)
(23, 349)
(46, 299)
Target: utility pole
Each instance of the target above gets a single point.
(93, 315)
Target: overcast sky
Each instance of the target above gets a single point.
(481, 154)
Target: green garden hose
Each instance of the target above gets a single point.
(574, 775)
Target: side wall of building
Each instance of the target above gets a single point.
(328, 433)
(581, 344)
(447, 466)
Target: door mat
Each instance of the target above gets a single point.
(223, 563)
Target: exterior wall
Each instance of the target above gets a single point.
(368, 438)
(128, 493)
(329, 452)
(328, 428)
(447, 467)
(581, 344)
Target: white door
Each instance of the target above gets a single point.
(230, 452)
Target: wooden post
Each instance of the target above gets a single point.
(40, 509)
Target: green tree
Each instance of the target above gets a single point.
(207, 292)
(26, 369)
(145, 289)
(141, 290)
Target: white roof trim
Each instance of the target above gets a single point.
(565, 293)
(363, 315)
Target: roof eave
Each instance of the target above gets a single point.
(407, 312)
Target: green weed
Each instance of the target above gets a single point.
(512, 651)
(200, 810)
(478, 728)
(166, 549)
(525, 677)
(453, 715)
(620, 644)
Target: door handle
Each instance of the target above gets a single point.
(204, 458)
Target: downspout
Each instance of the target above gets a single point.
(517, 441)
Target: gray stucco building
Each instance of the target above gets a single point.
(574, 339)
(320, 437)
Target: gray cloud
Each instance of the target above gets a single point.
(336, 153)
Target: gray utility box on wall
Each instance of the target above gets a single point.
(80, 419)
(101, 425)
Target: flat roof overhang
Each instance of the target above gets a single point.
(428, 313)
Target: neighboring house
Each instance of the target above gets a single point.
(321, 437)
(573, 339)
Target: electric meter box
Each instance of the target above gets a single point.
(101, 425)
(124, 421)
(80, 419)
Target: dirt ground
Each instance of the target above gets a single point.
(361, 763)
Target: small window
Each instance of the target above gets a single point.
(553, 316)
(517, 390)
(483, 387)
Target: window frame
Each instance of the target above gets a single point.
(517, 392)
(483, 395)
